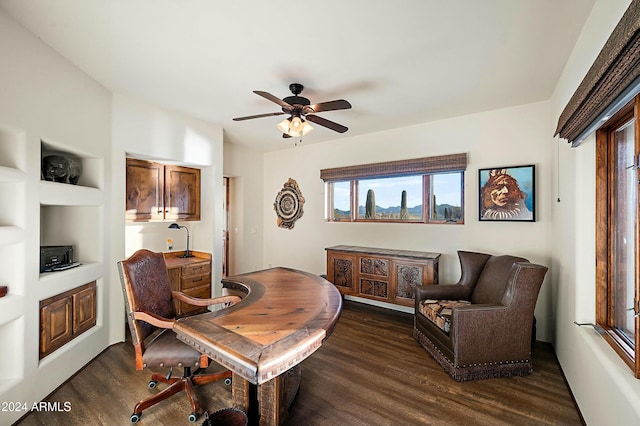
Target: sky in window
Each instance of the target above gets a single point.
(388, 191)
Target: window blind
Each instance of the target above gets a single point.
(425, 165)
(613, 77)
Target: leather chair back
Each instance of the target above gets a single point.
(494, 278)
(147, 289)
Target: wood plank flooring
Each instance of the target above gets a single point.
(369, 372)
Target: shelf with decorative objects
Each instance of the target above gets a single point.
(71, 215)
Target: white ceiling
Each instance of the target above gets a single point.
(397, 62)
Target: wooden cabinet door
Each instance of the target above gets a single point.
(84, 309)
(55, 324)
(182, 193)
(145, 190)
(407, 276)
(342, 272)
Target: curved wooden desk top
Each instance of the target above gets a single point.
(284, 317)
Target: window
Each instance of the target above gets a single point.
(617, 214)
(424, 190)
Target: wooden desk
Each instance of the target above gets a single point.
(283, 318)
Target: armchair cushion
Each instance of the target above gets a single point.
(439, 311)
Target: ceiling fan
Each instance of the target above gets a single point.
(300, 111)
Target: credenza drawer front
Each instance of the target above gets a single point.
(195, 281)
(202, 268)
(374, 288)
(374, 266)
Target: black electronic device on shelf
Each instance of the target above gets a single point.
(56, 258)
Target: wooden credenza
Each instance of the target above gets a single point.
(191, 276)
(380, 274)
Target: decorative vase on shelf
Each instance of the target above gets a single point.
(60, 168)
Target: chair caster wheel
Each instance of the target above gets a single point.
(227, 381)
(152, 384)
(135, 417)
(193, 417)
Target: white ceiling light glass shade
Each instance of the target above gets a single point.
(294, 126)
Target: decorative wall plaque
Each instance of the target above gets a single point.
(288, 204)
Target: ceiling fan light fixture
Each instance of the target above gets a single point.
(294, 127)
(284, 125)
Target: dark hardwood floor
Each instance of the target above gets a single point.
(369, 372)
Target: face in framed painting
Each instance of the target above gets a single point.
(507, 194)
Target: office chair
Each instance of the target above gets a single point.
(151, 314)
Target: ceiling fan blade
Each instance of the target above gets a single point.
(285, 136)
(285, 106)
(249, 117)
(327, 123)
(328, 106)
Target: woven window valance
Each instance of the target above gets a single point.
(614, 71)
(425, 165)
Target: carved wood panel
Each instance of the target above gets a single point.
(407, 278)
(343, 273)
(374, 287)
(373, 266)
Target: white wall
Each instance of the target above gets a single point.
(603, 386)
(144, 130)
(506, 137)
(244, 169)
(42, 96)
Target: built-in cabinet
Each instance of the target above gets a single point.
(157, 191)
(381, 274)
(68, 214)
(65, 316)
(192, 276)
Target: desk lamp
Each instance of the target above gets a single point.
(176, 226)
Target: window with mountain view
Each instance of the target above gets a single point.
(420, 198)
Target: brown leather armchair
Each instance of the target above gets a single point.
(151, 314)
(481, 327)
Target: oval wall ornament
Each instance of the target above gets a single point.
(288, 204)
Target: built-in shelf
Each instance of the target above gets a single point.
(52, 283)
(11, 307)
(11, 235)
(62, 194)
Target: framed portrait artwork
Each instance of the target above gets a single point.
(507, 194)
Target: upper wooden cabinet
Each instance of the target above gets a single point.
(156, 191)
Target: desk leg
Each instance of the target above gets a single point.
(267, 404)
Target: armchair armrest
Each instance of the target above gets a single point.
(490, 333)
(153, 319)
(227, 300)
